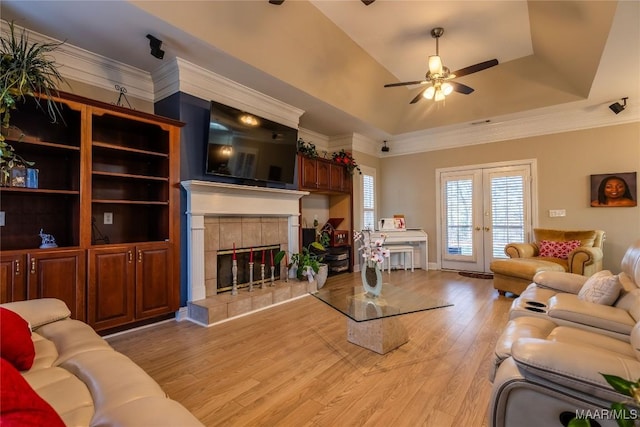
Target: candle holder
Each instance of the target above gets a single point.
(262, 276)
(273, 275)
(250, 277)
(234, 272)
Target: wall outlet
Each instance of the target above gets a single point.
(108, 218)
(554, 213)
(2, 218)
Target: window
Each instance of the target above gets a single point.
(368, 198)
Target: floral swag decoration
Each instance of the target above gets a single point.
(345, 158)
(341, 157)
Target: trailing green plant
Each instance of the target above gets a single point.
(307, 149)
(305, 258)
(26, 69)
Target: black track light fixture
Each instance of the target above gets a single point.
(155, 45)
(616, 107)
(385, 148)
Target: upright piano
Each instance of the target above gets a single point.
(411, 236)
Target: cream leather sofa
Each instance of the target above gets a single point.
(86, 381)
(554, 295)
(548, 364)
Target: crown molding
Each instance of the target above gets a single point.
(546, 121)
(182, 76)
(87, 67)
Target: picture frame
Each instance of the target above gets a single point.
(614, 190)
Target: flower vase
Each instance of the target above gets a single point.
(372, 279)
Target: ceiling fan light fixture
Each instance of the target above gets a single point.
(429, 92)
(439, 96)
(435, 65)
(447, 89)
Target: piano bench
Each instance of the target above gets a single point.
(404, 250)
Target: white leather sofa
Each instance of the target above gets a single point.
(86, 381)
(548, 365)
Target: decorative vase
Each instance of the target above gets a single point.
(321, 277)
(372, 279)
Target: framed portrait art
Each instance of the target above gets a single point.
(614, 190)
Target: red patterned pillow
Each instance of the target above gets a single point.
(16, 344)
(549, 248)
(20, 405)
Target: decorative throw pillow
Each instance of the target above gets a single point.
(16, 344)
(20, 405)
(550, 248)
(601, 288)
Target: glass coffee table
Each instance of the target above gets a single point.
(373, 322)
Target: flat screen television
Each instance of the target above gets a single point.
(249, 149)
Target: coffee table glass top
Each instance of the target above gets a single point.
(354, 303)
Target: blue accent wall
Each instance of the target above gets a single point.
(194, 112)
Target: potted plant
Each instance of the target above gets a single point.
(305, 261)
(26, 69)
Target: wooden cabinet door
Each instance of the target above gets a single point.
(337, 177)
(111, 286)
(324, 174)
(308, 173)
(154, 280)
(13, 279)
(58, 274)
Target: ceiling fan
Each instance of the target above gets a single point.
(279, 2)
(439, 78)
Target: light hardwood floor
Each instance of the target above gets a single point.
(291, 365)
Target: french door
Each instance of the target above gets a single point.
(481, 210)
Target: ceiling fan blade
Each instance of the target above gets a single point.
(276, 2)
(367, 2)
(460, 88)
(417, 82)
(475, 68)
(418, 96)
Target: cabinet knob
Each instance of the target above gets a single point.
(139, 256)
(33, 266)
(17, 267)
(130, 255)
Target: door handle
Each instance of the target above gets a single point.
(130, 255)
(487, 229)
(33, 266)
(478, 228)
(17, 267)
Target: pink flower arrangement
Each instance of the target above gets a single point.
(373, 251)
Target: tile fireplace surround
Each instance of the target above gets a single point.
(219, 215)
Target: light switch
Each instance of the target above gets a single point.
(554, 213)
(108, 218)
